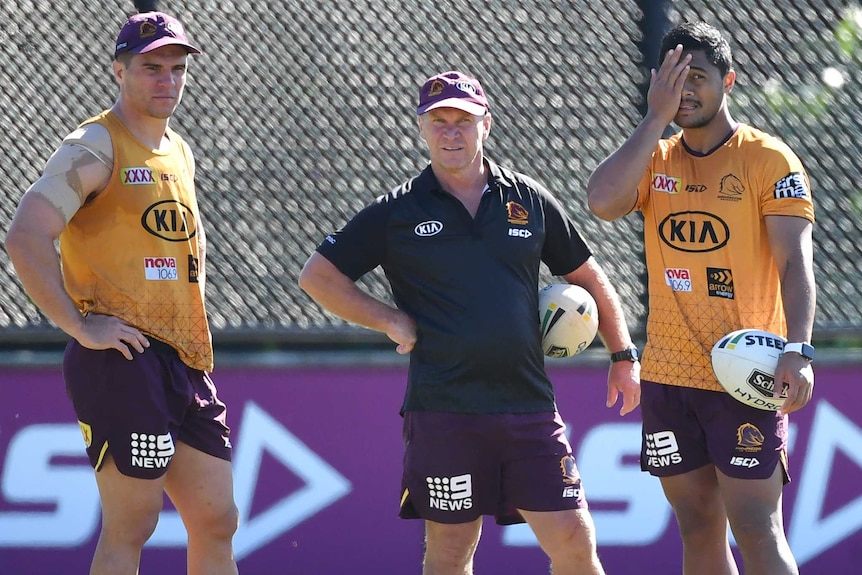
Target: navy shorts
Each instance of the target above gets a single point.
(136, 410)
(458, 467)
(685, 429)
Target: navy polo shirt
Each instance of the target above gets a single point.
(471, 284)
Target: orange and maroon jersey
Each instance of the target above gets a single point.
(136, 250)
(710, 267)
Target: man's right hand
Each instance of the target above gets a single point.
(403, 332)
(108, 332)
(666, 84)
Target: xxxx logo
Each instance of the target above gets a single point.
(666, 184)
(137, 176)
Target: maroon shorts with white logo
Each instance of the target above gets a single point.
(136, 410)
(459, 466)
(685, 429)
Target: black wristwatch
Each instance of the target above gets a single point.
(630, 354)
(803, 349)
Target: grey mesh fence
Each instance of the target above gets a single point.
(302, 113)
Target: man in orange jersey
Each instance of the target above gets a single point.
(119, 195)
(728, 220)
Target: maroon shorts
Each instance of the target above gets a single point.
(459, 466)
(685, 429)
(136, 410)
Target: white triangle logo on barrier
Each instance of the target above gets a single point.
(260, 433)
(810, 534)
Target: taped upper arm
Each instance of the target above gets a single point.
(79, 168)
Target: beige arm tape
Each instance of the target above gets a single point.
(80, 167)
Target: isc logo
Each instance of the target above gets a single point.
(748, 462)
(573, 492)
(520, 233)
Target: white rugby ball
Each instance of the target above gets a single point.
(744, 363)
(568, 318)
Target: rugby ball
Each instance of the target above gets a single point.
(744, 363)
(568, 318)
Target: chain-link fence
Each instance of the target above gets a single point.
(302, 113)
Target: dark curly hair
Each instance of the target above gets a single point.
(699, 36)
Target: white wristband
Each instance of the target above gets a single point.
(803, 349)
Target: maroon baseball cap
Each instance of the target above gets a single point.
(452, 90)
(150, 30)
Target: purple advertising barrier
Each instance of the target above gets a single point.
(317, 471)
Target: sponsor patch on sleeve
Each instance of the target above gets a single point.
(792, 185)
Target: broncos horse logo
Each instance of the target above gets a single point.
(517, 213)
(748, 436)
(731, 186)
(570, 470)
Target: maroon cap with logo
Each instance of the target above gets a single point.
(150, 30)
(452, 90)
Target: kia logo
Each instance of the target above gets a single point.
(170, 220)
(430, 228)
(694, 232)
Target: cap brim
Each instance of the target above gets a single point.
(458, 104)
(166, 41)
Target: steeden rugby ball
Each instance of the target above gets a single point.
(744, 363)
(568, 318)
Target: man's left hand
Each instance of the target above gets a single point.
(624, 377)
(797, 373)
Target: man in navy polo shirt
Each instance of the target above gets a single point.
(461, 245)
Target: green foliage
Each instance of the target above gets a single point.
(803, 101)
(815, 100)
(848, 36)
(856, 202)
(848, 33)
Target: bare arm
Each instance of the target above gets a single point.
(791, 245)
(340, 295)
(623, 376)
(30, 244)
(71, 175)
(612, 188)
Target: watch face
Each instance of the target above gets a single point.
(630, 354)
(803, 349)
